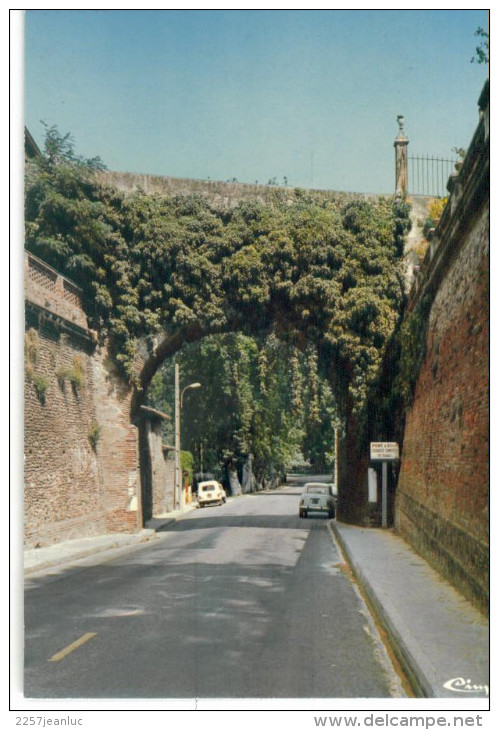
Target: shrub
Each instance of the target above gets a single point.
(187, 465)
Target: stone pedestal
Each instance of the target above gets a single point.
(400, 145)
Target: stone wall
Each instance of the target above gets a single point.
(157, 466)
(220, 195)
(442, 494)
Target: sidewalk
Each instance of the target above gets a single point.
(439, 638)
(53, 556)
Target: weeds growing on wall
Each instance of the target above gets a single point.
(74, 374)
(40, 382)
(94, 434)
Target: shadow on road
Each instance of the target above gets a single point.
(205, 521)
(277, 493)
(189, 619)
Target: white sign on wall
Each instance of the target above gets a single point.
(384, 450)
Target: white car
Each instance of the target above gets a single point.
(317, 497)
(211, 492)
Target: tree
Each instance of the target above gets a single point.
(245, 406)
(482, 50)
(65, 219)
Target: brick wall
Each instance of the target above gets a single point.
(442, 494)
(81, 468)
(118, 446)
(63, 493)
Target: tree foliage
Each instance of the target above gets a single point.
(482, 50)
(251, 403)
(316, 270)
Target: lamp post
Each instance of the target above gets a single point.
(178, 407)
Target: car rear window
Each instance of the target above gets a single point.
(208, 488)
(316, 490)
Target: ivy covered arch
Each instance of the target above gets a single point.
(158, 271)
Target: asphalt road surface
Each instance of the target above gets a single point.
(243, 600)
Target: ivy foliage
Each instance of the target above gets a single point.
(312, 269)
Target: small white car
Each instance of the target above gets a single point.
(211, 492)
(317, 497)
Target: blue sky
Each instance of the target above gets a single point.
(310, 95)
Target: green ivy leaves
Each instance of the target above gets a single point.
(320, 268)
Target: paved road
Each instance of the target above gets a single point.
(244, 600)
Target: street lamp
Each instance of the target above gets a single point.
(192, 385)
(178, 407)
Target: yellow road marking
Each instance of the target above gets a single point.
(64, 652)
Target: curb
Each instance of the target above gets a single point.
(384, 613)
(156, 524)
(114, 543)
(151, 531)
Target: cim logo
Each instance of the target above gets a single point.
(459, 684)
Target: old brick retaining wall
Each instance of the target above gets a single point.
(81, 469)
(63, 489)
(442, 495)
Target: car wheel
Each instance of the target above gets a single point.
(331, 514)
(304, 513)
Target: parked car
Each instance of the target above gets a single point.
(211, 492)
(317, 497)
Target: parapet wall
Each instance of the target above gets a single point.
(220, 195)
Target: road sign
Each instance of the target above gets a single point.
(384, 450)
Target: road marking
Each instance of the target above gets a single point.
(64, 652)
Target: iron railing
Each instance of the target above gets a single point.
(429, 175)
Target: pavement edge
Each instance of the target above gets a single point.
(415, 675)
